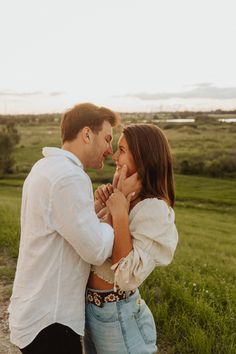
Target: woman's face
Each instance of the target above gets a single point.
(123, 156)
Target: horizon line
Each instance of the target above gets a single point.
(217, 110)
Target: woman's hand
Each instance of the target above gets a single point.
(118, 204)
(126, 184)
(116, 177)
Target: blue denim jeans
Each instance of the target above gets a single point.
(123, 327)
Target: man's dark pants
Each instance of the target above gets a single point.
(55, 339)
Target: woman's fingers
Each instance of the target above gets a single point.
(131, 184)
(116, 178)
(122, 177)
(130, 196)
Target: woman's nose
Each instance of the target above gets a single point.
(114, 156)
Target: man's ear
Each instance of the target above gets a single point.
(86, 133)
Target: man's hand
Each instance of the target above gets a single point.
(105, 216)
(101, 194)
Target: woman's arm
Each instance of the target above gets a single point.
(118, 206)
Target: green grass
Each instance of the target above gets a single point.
(215, 191)
(10, 201)
(10, 192)
(193, 299)
(193, 142)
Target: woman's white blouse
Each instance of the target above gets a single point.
(154, 236)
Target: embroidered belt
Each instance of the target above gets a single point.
(99, 299)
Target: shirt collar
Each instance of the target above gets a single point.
(53, 151)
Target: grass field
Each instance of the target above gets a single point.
(194, 299)
(203, 143)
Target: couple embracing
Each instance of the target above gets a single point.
(81, 260)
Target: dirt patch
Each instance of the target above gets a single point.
(5, 346)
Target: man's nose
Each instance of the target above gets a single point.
(109, 150)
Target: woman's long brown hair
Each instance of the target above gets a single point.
(151, 153)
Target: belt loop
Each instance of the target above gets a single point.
(127, 294)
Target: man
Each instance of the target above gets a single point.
(61, 236)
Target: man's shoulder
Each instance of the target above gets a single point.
(57, 168)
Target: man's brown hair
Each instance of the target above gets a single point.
(151, 153)
(86, 115)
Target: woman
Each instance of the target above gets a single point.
(118, 321)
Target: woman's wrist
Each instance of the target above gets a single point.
(119, 215)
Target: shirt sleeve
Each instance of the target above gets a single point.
(73, 216)
(154, 237)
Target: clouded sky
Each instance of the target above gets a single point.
(128, 54)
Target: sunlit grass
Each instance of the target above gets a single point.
(197, 142)
(193, 299)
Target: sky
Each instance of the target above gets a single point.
(129, 55)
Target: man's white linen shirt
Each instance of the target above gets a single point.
(60, 237)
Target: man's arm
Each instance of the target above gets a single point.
(73, 217)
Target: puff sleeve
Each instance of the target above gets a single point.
(154, 237)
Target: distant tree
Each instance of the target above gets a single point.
(9, 138)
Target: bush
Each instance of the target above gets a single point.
(192, 167)
(224, 166)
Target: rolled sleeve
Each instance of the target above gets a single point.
(74, 218)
